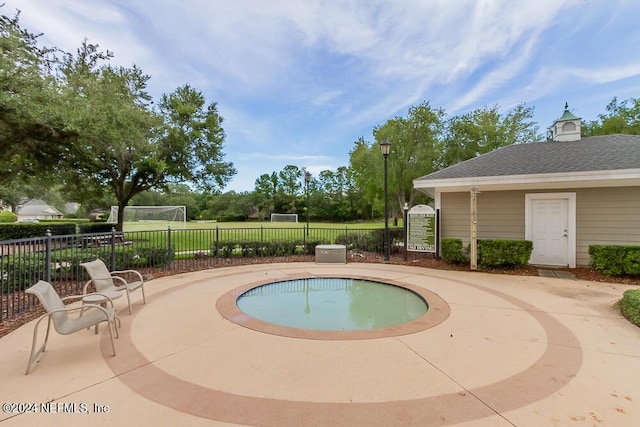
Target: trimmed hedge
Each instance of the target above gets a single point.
(492, 253)
(372, 241)
(630, 306)
(24, 230)
(453, 252)
(264, 249)
(504, 253)
(65, 264)
(614, 260)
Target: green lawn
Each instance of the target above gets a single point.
(196, 225)
(202, 235)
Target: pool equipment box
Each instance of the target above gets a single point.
(331, 254)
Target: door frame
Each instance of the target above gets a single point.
(571, 220)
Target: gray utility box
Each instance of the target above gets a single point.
(331, 254)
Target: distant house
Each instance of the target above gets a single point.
(564, 194)
(35, 209)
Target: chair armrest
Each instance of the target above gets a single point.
(137, 273)
(73, 297)
(119, 279)
(86, 285)
(70, 309)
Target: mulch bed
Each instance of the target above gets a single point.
(580, 273)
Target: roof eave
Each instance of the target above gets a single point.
(606, 178)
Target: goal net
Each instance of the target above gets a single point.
(278, 217)
(174, 216)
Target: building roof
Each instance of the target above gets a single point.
(38, 207)
(596, 153)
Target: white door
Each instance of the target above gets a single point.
(550, 231)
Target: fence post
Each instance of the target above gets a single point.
(113, 249)
(47, 257)
(217, 244)
(169, 250)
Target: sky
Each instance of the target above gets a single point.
(299, 81)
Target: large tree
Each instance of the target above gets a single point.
(32, 120)
(267, 188)
(415, 148)
(126, 146)
(485, 129)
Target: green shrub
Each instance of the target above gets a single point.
(150, 257)
(504, 253)
(352, 240)
(491, 253)
(615, 260)
(453, 252)
(223, 249)
(630, 306)
(7, 217)
(23, 230)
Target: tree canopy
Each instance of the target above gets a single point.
(621, 117)
(94, 127)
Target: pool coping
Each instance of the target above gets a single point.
(437, 313)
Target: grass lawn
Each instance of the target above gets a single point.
(201, 236)
(203, 225)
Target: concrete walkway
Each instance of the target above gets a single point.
(501, 351)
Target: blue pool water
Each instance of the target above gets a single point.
(333, 304)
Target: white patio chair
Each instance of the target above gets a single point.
(58, 314)
(105, 280)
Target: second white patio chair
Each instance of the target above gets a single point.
(105, 280)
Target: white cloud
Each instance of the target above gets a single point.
(300, 79)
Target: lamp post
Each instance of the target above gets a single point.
(405, 224)
(307, 179)
(385, 147)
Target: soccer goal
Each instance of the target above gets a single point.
(279, 217)
(173, 216)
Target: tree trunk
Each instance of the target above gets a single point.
(121, 206)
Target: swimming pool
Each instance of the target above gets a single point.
(332, 304)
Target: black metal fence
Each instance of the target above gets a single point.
(57, 259)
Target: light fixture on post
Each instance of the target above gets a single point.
(385, 147)
(307, 180)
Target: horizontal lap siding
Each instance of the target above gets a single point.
(500, 215)
(454, 215)
(603, 216)
(606, 216)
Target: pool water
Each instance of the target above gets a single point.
(333, 304)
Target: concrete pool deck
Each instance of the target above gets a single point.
(511, 350)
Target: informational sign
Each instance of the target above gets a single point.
(421, 229)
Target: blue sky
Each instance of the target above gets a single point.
(299, 81)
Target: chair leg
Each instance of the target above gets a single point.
(33, 356)
(111, 323)
(129, 301)
(116, 325)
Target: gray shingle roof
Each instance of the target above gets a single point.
(596, 153)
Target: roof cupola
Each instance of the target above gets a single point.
(567, 128)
